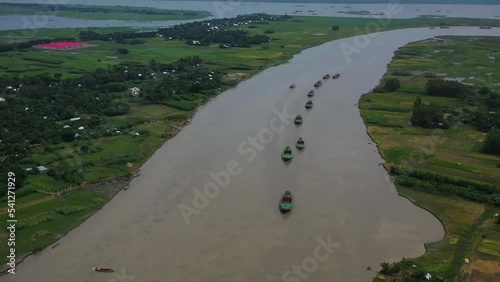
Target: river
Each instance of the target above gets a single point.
(227, 9)
(342, 195)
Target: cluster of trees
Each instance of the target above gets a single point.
(427, 115)
(200, 33)
(492, 142)
(439, 184)
(392, 84)
(119, 37)
(37, 112)
(477, 106)
(446, 88)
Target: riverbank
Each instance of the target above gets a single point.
(155, 118)
(89, 12)
(456, 153)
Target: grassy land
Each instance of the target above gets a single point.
(106, 155)
(64, 212)
(291, 37)
(471, 232)
(101, 12)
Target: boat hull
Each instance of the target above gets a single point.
(285, 208)
(98, 269)
(300, 146)
(287, 157)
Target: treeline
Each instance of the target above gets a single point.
(37, 110)
(200, 33)
(438, 184)
(446, 88)
(102, 9)
(118, 37)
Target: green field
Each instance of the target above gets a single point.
(290, 38)
(100, 13)
(453, 152)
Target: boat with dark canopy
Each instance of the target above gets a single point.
(300, 144)
(309, 104)
(286, 202)
(310, 94)
(287, 154)
(100, 269)
(298, 119)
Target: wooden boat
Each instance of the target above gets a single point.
(300, 144)
(286, 201)
(126, 187)
(100, 269)
(310, 94)
(292, 86)
(485, 27)
(326, 76)
(318, 83)
(309, 104)
(336, 76)
(298, 119)
(287, 154)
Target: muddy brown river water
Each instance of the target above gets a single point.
(347, 214)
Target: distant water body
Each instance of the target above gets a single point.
(225, 9)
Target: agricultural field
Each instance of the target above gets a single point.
(471, 231)
(458, 153)
(289, 38)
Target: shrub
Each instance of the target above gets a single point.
(392, 84)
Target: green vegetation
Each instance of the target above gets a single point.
(108, 146)
(43, 218)
(286, 43)
(437, 152)
(88, 12)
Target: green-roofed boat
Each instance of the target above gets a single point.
(309, 104)
(298, 119)
(287, 154)
(286, 202)
(300, 144)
